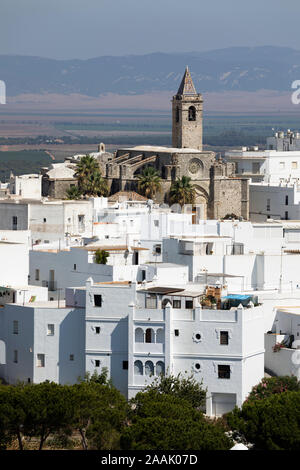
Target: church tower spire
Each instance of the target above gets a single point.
(187, 115)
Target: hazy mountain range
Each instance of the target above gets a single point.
(232, 69)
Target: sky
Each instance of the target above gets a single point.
(69, 29)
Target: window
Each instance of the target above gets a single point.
(286, 215)
(15, 327)
(160, 336)
(176, 303)
(138, 368)
(50, 329)
(44, 220)
(177, 114)
(268, 204)
(151, 301)
(37, 274)
(149, 368)
(156, 223)
(143, 274)
(286, 200)
(281, 165)
(15, 356)
(97, 363)
(255, 168)
(125, 365)
(188, 304)
(157, 249)
(294, 165)
(192, 113)
(149, 336)
(14, 222)
(139, 335)
(98, 300)
(160, 368)
(97, 330)
(74, 267)
(40, 360)
(71, 357)
(197, 366)
(224, 337)
(223, 372)
(176, 332)
(197, 336)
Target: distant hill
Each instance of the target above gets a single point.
(231, 69)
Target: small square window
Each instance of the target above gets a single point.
(98, 300)
(223, 372)
(176, 332)
(71, 357)
(97, 330)
(125, 365)
(50, 329)
(176, 303)
(97, 363)
(188, 304)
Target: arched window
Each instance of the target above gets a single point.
(149, 335)
(192, 113)
(160, 368)
(138, 368)
(160, 335)
(149, 368)
(139, 335)
(177, 114)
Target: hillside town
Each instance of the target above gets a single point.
(155, 260)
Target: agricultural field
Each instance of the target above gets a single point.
(29, 141)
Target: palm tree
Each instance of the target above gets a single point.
(90, 180)
(73, 192)
(182, 191)
(97, 185)
(149, 182)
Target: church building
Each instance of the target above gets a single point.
(218, 190)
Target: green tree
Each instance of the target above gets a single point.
(271, 423)
(99, 414)
(73, 193)
(271, 385)
(90, 180)
(47, 408)
(149, 182)
(179, 386)
(101, 256)
(165, 422)
(182, 191)
(12, 415)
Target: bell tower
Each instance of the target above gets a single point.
(187, 106)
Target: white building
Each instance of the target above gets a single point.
(268, 166)
(137, 331)
(289, 141)
(58, 269)
(282, 343)
(274, 201)
(48, 220)
(42, 341)
(26, 186)
(149, 329)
